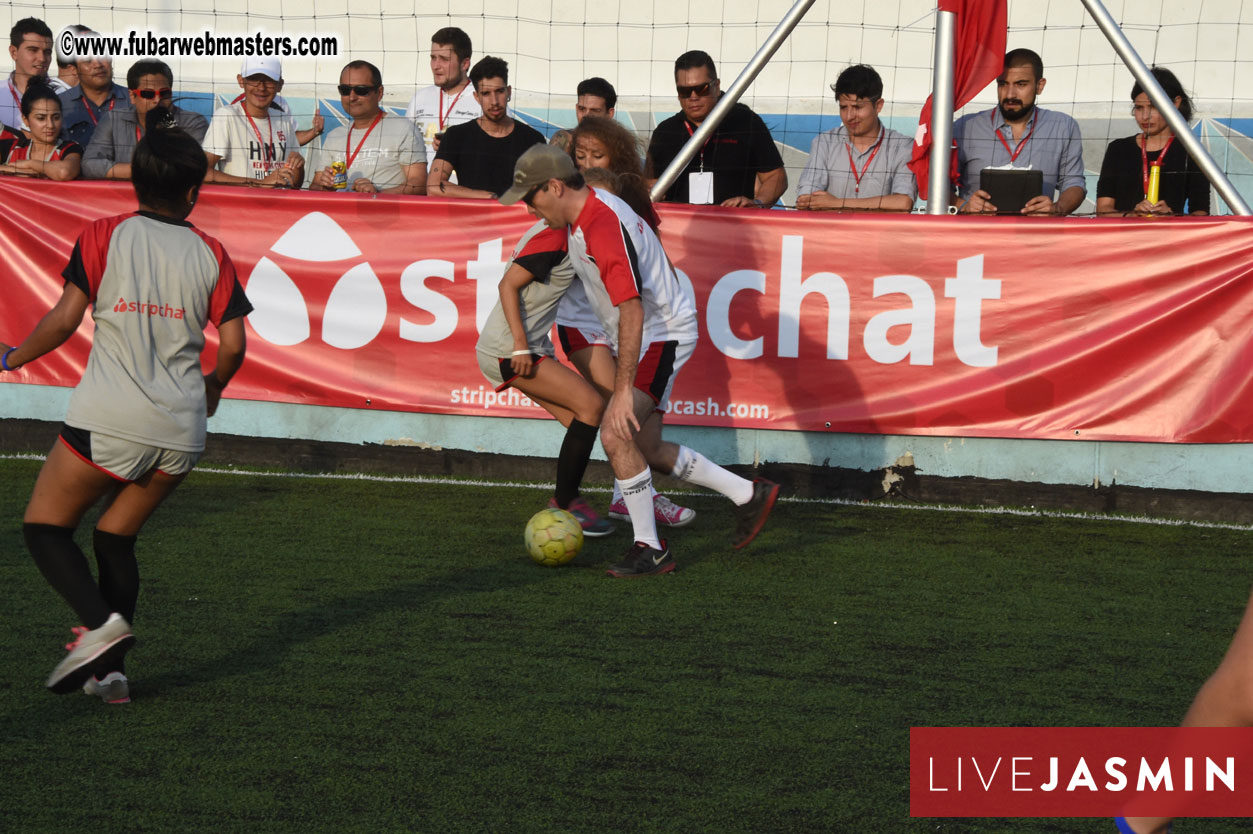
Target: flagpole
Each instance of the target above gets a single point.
(938, 185)
(1178, 124)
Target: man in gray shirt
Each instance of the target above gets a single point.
(151, 82)
(1018, 134)
(861, 164)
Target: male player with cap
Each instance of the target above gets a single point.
(652, 325)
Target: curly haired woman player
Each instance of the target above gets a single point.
(603, 143)
(136, 422)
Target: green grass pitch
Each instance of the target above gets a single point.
(356, 656)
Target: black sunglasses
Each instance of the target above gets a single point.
(701, 90)
(529, 197)
(359, 89)
(164, 92)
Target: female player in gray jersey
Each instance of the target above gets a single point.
(136, 422)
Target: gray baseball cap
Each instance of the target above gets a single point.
(537, 166)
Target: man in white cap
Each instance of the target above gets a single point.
(252, 141)
(651, 323)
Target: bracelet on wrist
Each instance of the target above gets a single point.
(526, 352)
(4, 360)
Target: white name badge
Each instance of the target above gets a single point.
(700, 188)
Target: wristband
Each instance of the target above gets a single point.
(526, 352)
(4, 360)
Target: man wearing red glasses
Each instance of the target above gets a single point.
(738, 166)
(380, 152)
(151, 82)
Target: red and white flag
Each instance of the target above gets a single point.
(979, 57)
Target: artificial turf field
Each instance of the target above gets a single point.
(329, 655)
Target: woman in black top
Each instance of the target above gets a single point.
(1123, 186)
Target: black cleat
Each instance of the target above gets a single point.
(642, 560)
(751, 517)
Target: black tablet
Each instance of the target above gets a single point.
(1011, 188)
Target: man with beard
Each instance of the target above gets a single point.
(1017, 134)
(482, 152)
(438, 107)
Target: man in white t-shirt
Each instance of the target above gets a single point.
(445, 103)
(381, 152)
(253, 142)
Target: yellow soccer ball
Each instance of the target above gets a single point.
(553, 537)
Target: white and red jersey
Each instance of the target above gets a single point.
(154, 283)
(618, 257)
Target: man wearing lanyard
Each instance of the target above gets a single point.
(1020, 135)
(861, 165)
(254, 141)
(30, 47)
(151, 83)
(380, 152)
(738, 166)
(445, 103)
(83, 106)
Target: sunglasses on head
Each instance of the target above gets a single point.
(701, 90)
(359, 89)
(164, 92)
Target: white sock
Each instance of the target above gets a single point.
(695, 468)
(617, 493)
(639, 502)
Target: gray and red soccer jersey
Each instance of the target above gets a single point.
(154, 284)
(541, 252)
(618, 257)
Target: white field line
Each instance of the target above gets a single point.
(844, 502)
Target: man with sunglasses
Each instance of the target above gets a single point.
(254, 141)
(150, 82)
(380, 152)
(739, 165)
(651, 323)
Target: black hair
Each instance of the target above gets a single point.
(489, 67)
(859, 81)
(38, 89)
(695, 59)
(148, 66)
(375, 76)
(574, 181)
(168, 163)
(457, 39)
(1173, 90)
(1024, 58)
(28, 26)
(598, 87)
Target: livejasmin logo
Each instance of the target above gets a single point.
(1029, 773)
(143, 308)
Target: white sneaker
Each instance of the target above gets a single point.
(111, 640)
(114, 689)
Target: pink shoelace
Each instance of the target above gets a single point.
(78, 632)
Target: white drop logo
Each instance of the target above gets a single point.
(316, 237)
(356, 309)
(279, 314)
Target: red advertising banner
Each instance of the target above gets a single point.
(995, 327)
(1081, 771)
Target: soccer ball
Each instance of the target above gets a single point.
(553, 537)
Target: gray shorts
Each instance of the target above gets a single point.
(125, 460)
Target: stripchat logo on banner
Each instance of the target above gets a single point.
(1080, 772)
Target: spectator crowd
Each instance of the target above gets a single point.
(1017, 157)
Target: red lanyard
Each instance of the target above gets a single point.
(692, 133)
(348, 151)
(848, 146)
(443, 117)
(269, 164)
(1013, 155)
(1144, 158)
(95, 120)
(13, 90)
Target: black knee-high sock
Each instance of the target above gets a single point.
(119, 581)
(576, 450)
(63, 564)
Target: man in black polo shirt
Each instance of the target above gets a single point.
(738, 166)
(482, 152)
